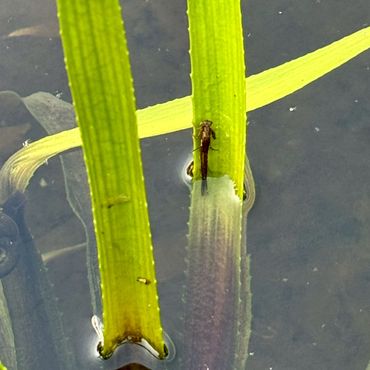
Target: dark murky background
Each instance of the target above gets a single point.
(308, 231)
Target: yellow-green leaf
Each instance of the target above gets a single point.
(262, 89)
(276, 83)
(218, 87)
(99, 73)
(217, 299)
(19, 168)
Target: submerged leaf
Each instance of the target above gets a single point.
(217, 294)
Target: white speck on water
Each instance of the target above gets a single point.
(315, 269)
(317, 129)
(323, 326)
(251, 353)
(356, 100)
(284, 280)
(26, 143)
(280, 12)
(249, 34)
(307, 283)
(43, 183)
(314, 344)
(292, 109)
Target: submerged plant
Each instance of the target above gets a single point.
(99, 73)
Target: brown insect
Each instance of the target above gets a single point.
(206, 133)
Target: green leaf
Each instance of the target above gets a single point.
(218, 85)
(278, 82)
(217, 294)
(263, 88)
(19, 168)
(99, 73)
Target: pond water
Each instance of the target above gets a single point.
(308, 233)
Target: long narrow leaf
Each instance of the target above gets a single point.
(100, 79)
(263, 88)
(217, 297)
(218, 86)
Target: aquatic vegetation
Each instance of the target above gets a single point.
(99, 74)
(8, 355)
(262, 88)
(225, 243)
(9, 253)
(31, 306)
(217, 295)
(218, 85)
